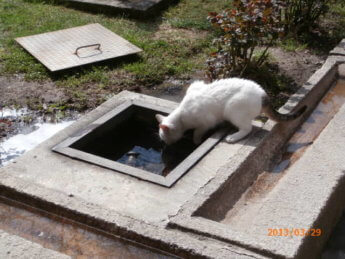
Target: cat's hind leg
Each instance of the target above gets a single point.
(243, 131)
(244, 124)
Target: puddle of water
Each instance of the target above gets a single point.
(7, 112)
(65, 236)
(30, 129)
(20, 143)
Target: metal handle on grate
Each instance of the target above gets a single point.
(87, 46)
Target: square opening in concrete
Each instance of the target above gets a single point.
(126, 140)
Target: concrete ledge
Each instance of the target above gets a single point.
(16, 247)
(267, 144)
(187, 219)
(339, 50)
(117, 203)
(203, 214)
(134, 8)
(341, 71)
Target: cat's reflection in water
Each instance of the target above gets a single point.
(161, 160)
(174, 154)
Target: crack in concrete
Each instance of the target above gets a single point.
(245, 254)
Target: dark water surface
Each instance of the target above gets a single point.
(135, 142)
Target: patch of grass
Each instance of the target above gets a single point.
(328, 33)
(291, 44)
(95, 74)
(193, 13)
(336, 17)
(15, 60)
(161, 58)
(178, 52)
(174, 59)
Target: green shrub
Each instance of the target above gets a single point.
(249, 24)
(301, 15)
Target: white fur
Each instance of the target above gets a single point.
(235, 100)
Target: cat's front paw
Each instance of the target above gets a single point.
(231, 139)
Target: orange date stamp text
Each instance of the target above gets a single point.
(289, 232)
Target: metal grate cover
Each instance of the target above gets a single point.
(76, 46)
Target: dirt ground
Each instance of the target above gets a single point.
(16, 92)
(297, 65)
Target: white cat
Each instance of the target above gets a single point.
(235, 100)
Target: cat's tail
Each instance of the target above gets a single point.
(279, 117)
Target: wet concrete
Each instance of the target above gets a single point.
(251, 201)
(67, 237)
(135, 8)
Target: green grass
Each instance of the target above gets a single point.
(175, 44)
(291, 44)
(193, 13)
(337, 16)
(324, 37)
(161, 58)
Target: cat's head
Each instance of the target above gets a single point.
(168, 132)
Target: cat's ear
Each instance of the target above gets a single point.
(164, 127)
(159, 118)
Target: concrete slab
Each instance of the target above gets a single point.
(124, 194)
(137, 8)
(115, 202)
(310, 94)
(341, 70)
(77, 46)
(183, 219)
(203, 216)
(12, 246)
(129, 110)
(66, 236)
(251, 201)
(308, 196)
